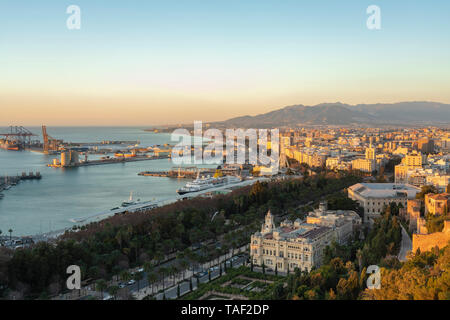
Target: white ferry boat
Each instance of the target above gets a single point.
(208, 182)
(130, 202)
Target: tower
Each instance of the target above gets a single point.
(370, 153)
(268, 225)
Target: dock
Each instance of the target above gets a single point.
(106, 161)
(149, 205)
(7, 182)
(179, 172)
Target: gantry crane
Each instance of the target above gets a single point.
(20, 135)
(50, 144)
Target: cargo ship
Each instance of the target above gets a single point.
(8, 145)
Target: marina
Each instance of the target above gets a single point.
(50, 205)
(178, 172)
(7, 182)
(145, 206)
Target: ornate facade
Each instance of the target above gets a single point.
(289, 246)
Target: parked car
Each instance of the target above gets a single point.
(122, 285)
(201, 274)
(131, 282)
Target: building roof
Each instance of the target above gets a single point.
(440, 196)
(385, 190)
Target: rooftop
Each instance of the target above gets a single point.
(385, 190)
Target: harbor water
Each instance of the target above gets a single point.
(40, 206)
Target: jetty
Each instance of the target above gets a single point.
(6, 182)
(149, 205)
(179, 172)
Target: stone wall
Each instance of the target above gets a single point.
(426, 242)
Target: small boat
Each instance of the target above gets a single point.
(130, 201)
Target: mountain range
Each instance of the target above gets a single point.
(402, 113)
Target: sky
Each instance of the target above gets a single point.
(175, 61)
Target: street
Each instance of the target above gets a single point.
(406, 246)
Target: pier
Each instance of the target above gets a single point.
(179, 172)
(148, 205)
(70, 160)
(6, 182)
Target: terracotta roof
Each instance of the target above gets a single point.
(441, 196)
(287, 229)
(314, 233)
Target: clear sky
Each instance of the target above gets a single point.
(170, 61)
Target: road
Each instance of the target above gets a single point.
(406, 245)
(166, 201)
(171, 293)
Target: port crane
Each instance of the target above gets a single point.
(50, 144)
(18, 134)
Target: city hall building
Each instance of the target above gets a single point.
(291, 245)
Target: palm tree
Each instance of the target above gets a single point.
(359, 256)
(101, 286)
(119, 238)
(134, 243)
(159, 256)
(138, 276)
(113, 291)
(148, 267)
(151, 278)
(173, 272)
(125, 276)
(184, 265)
(162, 271)
(10, 234)
(233, 245)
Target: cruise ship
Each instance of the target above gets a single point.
(204, 183)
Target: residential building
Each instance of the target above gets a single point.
(437, 204)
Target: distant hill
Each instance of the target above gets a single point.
(344, 114)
